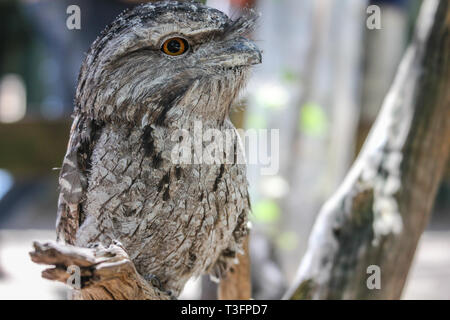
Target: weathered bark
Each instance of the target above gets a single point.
(377, 215)
(106, 273)
(236, 285)
(380, 64)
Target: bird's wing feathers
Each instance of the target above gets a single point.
(73, 177)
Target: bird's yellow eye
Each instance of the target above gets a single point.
(175, 46)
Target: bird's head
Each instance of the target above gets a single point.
(163, 55)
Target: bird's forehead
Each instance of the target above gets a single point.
(185, 15)
(154, 21)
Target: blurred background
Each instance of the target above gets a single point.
(322, 82)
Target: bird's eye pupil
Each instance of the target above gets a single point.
(175, 46)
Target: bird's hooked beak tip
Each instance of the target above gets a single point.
(248, 50)
(256, 57)
(239, 52)
(242, 52)
(259, 57)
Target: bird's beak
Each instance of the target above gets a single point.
(242, 52)
(239, 52)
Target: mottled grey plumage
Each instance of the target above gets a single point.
(118, 180)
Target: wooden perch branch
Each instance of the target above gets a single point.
(109, 274)
(106, 273)
(236, 285)
(379, 212)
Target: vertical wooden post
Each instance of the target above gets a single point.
(237, 283)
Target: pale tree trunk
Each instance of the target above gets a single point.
(378, 214)
(383, 50)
